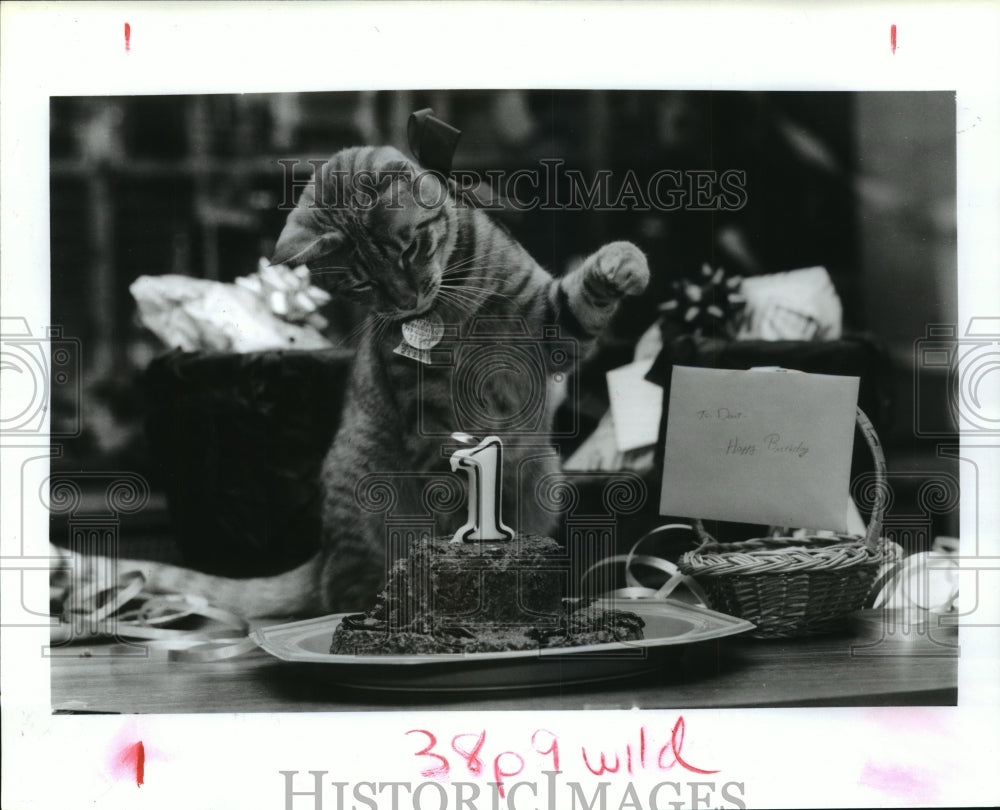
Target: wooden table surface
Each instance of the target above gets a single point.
(872, 664)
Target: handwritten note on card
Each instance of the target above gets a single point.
(760, 446)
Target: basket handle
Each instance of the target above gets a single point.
(873, 533)
(881, 498)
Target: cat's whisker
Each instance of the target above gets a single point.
(315, 267)
(455, 266)
(496, 290)
(319, 271)
(477, 292)
(459, 266)
(448, 293)
(470, 290)
(382, 328)
(475, 278)
(461, 305)
(350, 337)
(458, 310)
(375, 325)
(323, 265)
(463, 282)
(481, 267)
(357, 331)
(483, 292)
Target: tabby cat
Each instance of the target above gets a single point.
(375, 229)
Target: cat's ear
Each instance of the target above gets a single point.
(301, 241)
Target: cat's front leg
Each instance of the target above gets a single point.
(592, 291)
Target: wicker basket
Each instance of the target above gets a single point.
(797, 586)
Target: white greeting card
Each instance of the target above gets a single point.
(769, 447)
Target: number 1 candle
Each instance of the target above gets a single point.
(484, 466)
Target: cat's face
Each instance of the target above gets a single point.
(373, 228)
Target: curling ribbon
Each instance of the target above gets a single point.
(141, 617)
(927, 580)
(635, 589)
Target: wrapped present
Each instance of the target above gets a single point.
(797, 305)
(240, 414)
(275, 308)
(237, 441)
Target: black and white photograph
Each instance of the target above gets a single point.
(526, 432)
(400, 364)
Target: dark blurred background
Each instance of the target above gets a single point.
(861, 183)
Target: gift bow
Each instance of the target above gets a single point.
(432, 141)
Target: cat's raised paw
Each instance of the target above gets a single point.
(620, 269)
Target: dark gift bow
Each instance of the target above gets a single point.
(432, 141)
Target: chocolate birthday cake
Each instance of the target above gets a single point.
(482, 596)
